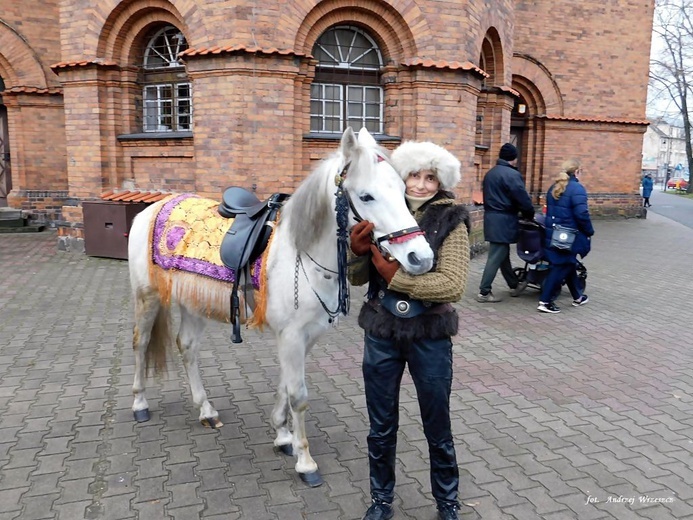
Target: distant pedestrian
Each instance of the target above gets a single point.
(505, 196)
(566, 205)
(647, 185)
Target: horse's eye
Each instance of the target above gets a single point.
(366, 198)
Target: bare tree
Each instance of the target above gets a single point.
(671, 67)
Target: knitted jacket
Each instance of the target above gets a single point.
(441, 220)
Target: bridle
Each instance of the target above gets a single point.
(396, 237)
(343, 204)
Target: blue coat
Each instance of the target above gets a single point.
(570, 210)
(647, 185)
(504, 197)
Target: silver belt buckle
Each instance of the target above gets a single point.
(402, 307)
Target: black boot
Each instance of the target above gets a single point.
(380, 511)
(448, 512)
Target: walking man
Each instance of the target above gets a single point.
(504, 197)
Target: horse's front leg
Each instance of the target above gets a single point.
(293, 391)
(191, 327)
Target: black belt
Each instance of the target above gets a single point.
(401, 306)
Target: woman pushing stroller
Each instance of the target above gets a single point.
(566, 206)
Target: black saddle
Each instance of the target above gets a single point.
(247, 237)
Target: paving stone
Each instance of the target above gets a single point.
(40, 509)
(73, 510)
(185, 513)
(183, 495)
(11, 478)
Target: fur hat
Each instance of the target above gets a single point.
(412, 156)
(508, 152)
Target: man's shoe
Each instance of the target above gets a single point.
(380, 511)
(517, 291)
(448, 512)
(487, 298)
(548, 307)
(582, 300)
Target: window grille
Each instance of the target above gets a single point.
(167, 91)
(346, 90)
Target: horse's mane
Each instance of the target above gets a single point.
(308, 209)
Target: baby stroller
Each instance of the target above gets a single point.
(530, 249)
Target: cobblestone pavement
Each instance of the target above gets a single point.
(583, 415)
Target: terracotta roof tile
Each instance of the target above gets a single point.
(134, 196)
(444, 64)
(31, 90)
(83, 63)
(509, 90)
(203, 51)
(598, 119)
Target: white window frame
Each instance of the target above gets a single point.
(158, 124)
(343, 63)
(161, 112)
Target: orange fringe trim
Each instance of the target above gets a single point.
(259, 318)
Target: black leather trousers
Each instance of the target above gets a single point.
(430, 365)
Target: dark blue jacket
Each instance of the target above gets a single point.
(570, 210)
(504, 197)
(647, 184)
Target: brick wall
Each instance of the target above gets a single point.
(585, 64)
(597, 52)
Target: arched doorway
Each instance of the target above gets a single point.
(518, 127)
(527, 133)
(5, 179)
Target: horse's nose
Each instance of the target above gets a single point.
(413, 259)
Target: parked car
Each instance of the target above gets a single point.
(671, 183)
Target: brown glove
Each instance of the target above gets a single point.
(360, 237)
(386, 268)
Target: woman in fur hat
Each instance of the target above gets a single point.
(410, 320)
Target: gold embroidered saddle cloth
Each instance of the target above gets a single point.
(187, 236)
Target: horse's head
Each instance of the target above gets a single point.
(377, 194)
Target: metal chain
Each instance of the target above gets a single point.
(298, 258)
(330, 314)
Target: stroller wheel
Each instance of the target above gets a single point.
(521, 273)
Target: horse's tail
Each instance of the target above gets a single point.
(159, 341)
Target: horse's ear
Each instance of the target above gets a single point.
(348, 141)
(366, 139)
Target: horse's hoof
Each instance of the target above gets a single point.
(212, 422)
(286, 449)
(313, 479)
(142, 415)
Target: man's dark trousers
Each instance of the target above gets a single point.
(498, 257)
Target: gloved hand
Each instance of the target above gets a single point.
(386, 268)
(360, 237)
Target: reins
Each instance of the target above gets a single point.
(342, 205)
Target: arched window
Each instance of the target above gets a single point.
(346, 90)
(167, 92)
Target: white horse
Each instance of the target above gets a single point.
(299, 304)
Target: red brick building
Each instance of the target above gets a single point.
(196, 95)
